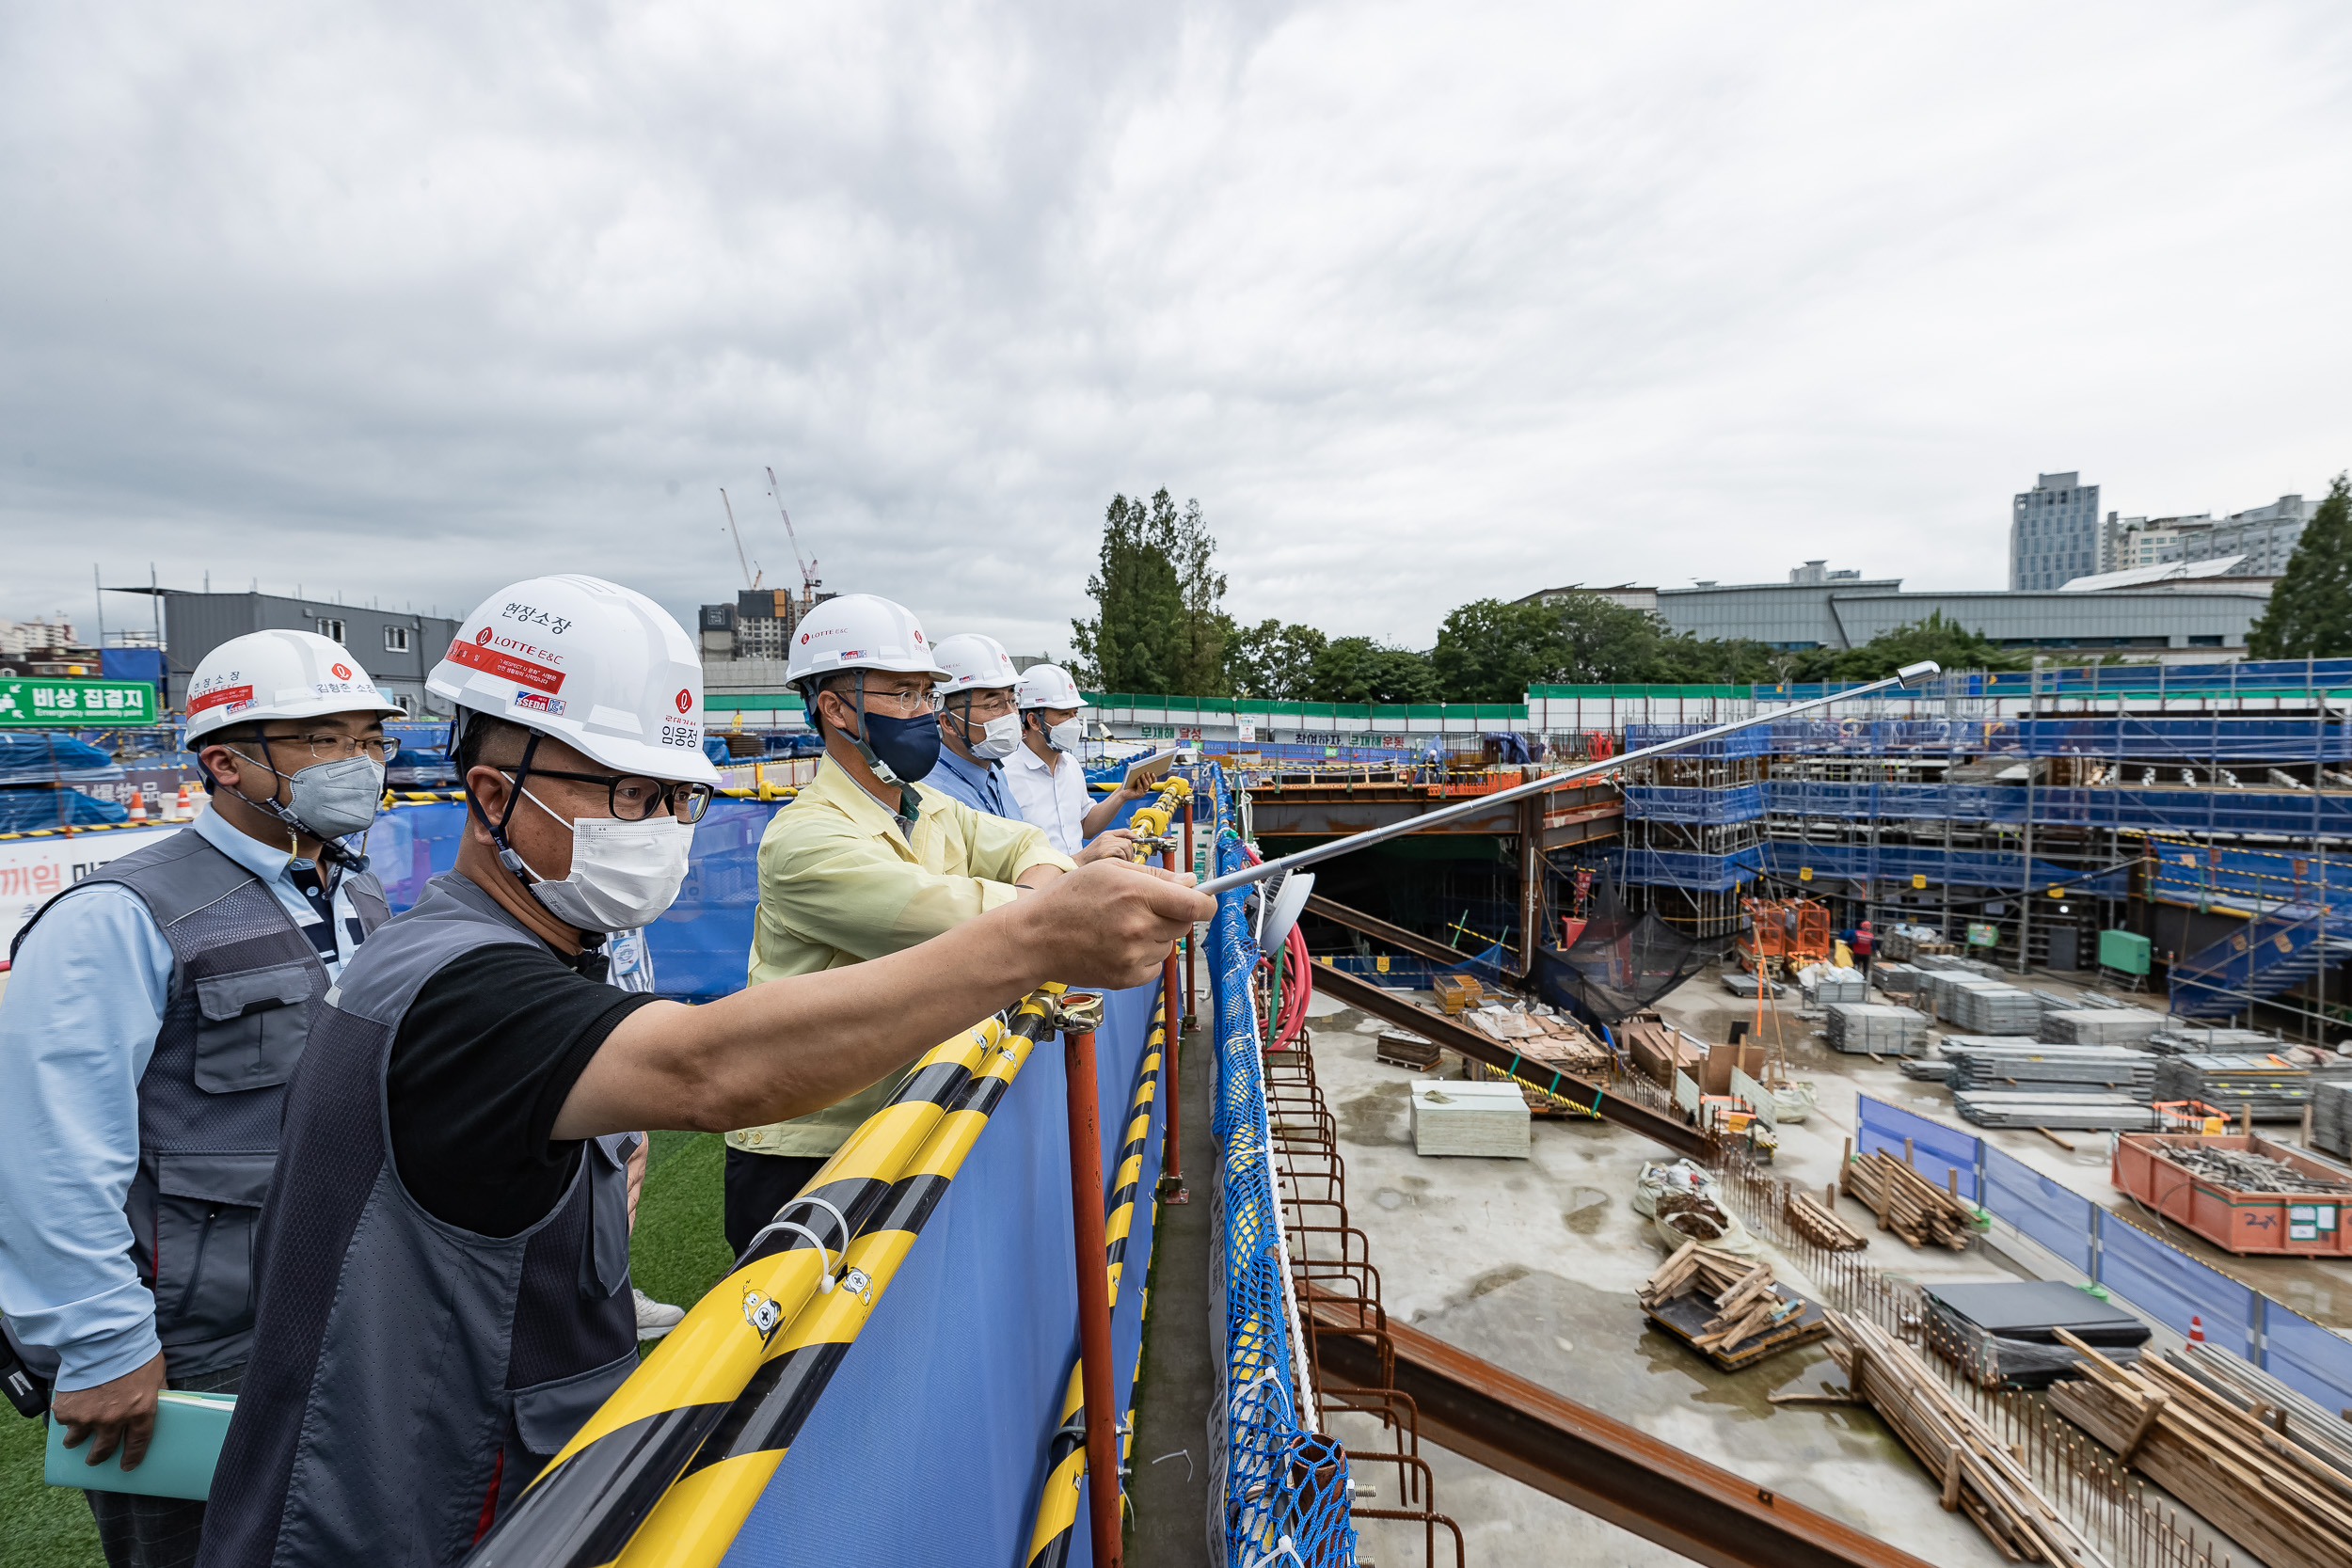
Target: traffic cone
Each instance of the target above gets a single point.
(2196, 1330)
(185, 807)
(138, 804)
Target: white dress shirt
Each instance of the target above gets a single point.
(1051, 795)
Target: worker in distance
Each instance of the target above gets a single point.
(154, 1012)
(1048, 780)
(444, 1282)
(979, 724)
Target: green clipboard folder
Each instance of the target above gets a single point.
(179, 1457)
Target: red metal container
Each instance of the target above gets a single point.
(2314, 1223)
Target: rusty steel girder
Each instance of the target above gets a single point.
(1590, 1461)
(1362, 995)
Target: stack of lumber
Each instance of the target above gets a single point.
(1403, 1048)
(1817, 1223)
(2100, 1025)
(2181, 1041)
(1456, 992)
(1982, 1478)
(1453, 1116)
(1659, 1050)
(1990, 1008)
(2269, 1085)
(1740, 1314)
(1864, 1028)
(1908, 1203)
(1557, 1042)
(2099, 1111)
(2052, 1069)
(2263, 1467)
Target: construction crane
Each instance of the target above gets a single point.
(751, 578)
(809, 581)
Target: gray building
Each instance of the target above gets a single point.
(397, 648)
(2260, 539)
(2054, 532)
(1842, 611)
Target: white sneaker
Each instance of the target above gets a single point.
(654, 1318)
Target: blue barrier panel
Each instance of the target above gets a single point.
(2053, 1215)
(2169, 1285)
(2315, 1362)
(1937, 1150)
(701, 947)
(936, 1425)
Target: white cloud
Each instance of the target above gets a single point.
(1424, 303)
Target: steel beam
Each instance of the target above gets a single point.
(1317, 809)
(1380, 930)
(1361, 994)
(1593, 1461)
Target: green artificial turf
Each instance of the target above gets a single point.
(678, 1251)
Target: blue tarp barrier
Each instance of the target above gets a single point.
(2315, 1362)
(40, 756)
(2047, 1211)
(1677, 804)
(1959, 867)
(1935, 1148)
(2169, 1285)
(937, 1423)
(23, 811)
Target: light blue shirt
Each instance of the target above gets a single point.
(979, 785)
(77, 1026)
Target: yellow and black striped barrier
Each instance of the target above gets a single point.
(1065, 1455)
(696, 1520)
(582, 1509)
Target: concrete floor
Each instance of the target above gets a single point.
(1533, 1266)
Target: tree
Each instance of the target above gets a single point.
(1950, 643)
(1360, 670)
(1159, 625)
(1492, 652)
(1273, 661)
(2310, 614)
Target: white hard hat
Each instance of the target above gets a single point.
(599, 667)
(975, 663)
(278, 675)
(860, 631)
(1048, 686)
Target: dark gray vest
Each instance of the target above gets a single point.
(408, 1378)
(245, 984)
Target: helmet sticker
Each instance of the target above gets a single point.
(506, 666)
(685, 701)
(343, 671)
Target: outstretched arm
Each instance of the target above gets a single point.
(788, 1047)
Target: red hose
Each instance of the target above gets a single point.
(1298, 982)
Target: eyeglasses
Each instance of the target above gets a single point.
(335, 747)
(906, 704)
(632, 799)
(993, 704)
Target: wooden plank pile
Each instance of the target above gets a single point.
(1982, 1478)
(1907, 1203)
(1742, 1313)
(1659, 1051)
(1817, 1223)
(2272, 1482)
(1403, 1048)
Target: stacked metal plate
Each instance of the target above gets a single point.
(2100, 1026)
(2052, 1069)
(1748, 985)
(1863, 1027)
(1954, 964)
(1925, 1070)
(2087, 1113)
(2274, 1088)
(2179, 1039)
(1934, 987)
(1843, 984)
(2331, 1117)
(1989, 1008)
(1894, 979)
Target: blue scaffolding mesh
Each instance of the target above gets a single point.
(1960, 867)
(1278, 1492)
(1681, 803)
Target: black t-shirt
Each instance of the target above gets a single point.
(484, 1059)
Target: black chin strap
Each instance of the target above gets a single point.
(507, 857)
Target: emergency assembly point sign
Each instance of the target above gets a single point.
(41, 703)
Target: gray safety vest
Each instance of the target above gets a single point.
(408, 1378)
(245, 983)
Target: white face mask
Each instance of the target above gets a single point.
(1065, 735)
(998, 738)
(623, 874)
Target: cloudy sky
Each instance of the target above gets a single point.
(1424, 303)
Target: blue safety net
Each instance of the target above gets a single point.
(41, 756)
(1276, 1486)
(1679, 804)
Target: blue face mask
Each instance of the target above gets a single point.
(903, 750)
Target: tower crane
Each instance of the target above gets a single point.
(810, 583)
(751, 578)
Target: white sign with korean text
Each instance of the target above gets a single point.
(35, 870)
